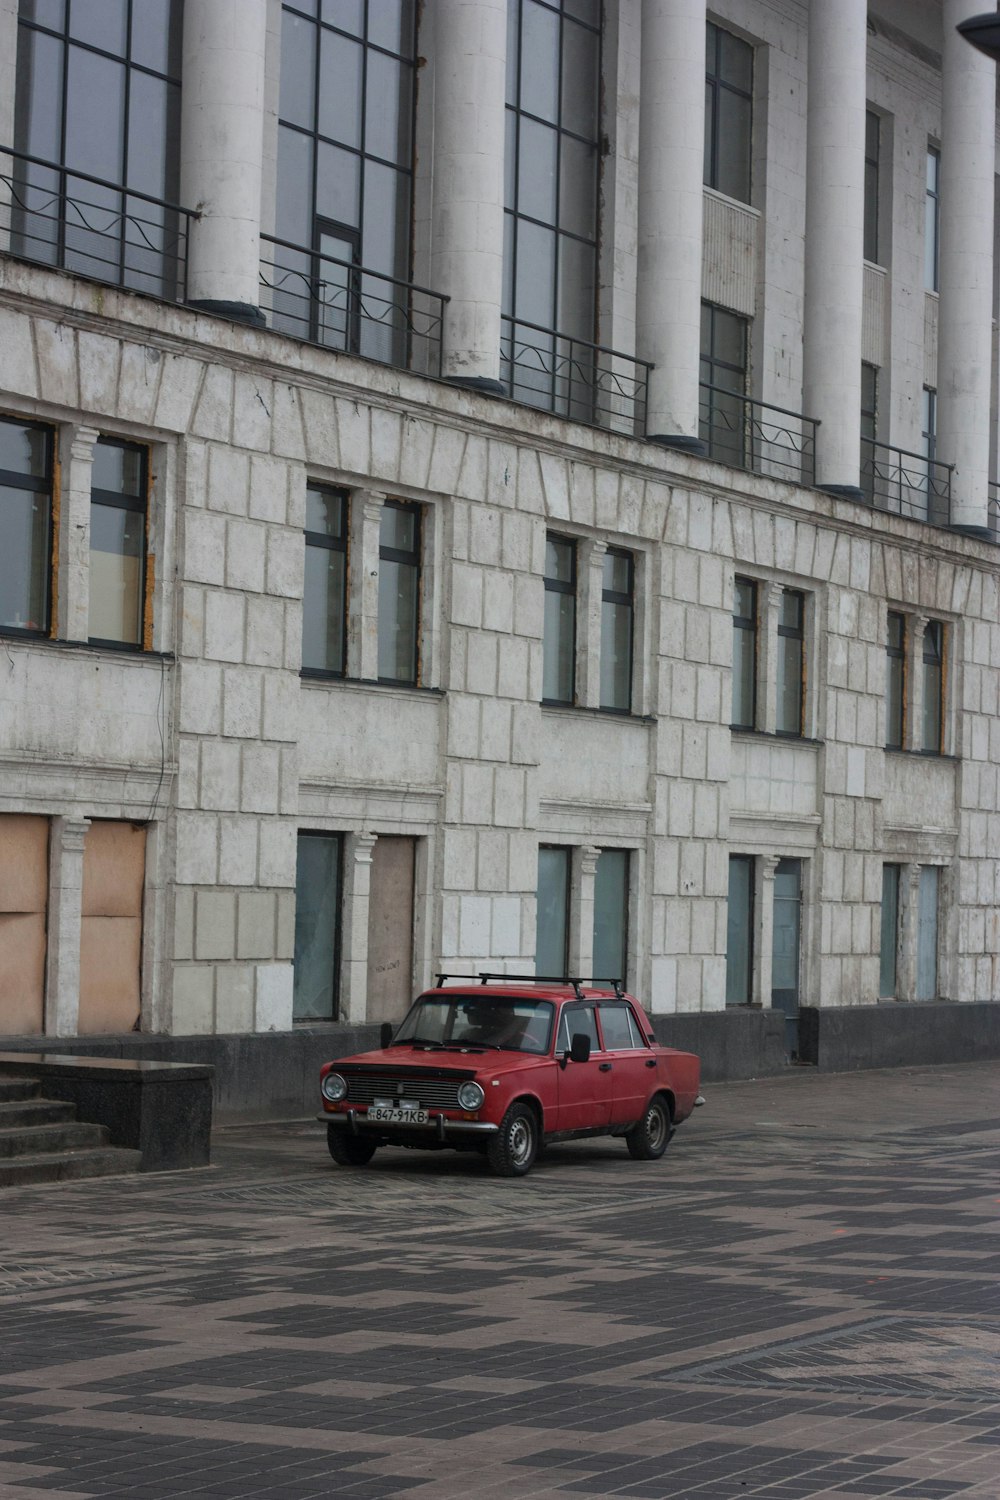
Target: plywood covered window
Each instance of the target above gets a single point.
(390, 928)
(114, 865)
(24, 882)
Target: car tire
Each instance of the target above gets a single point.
(349, 1150)
(649, 1139)
(512, 1151)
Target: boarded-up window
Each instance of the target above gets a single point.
(24, 881)
(390, 929)
(114, 861)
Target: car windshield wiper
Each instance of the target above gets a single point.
(419, 1041)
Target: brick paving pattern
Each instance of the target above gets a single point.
(802, 1300)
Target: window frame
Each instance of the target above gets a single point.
(617, 599)
(897, 653)
(932, 219)
(412, 558)
(933, 627)
(134, 505)
(327, 543)
(716, 83)
(791, 633)
(873, 164)
(568, 588)
(750, 625)
(736, 447)
(38, 485)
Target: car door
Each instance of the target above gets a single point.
(633, 1066)
(585, 1089)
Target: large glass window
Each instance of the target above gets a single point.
(345, 166)
(25, 526)
(790, 663)
(744, 713)
(932, 218)
(616, 630)
(552, 925)
(611, 881)
(119, 484)
(933, 685)
(739, 930)
(559, 641)
(551, 201)
(873, 145)
(98, 106)
(723, 426)
(324, 597)
(399, 593)
(317, 926)
(895, 681)
(728, 113)
(890, 931)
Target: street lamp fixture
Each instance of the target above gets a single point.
(984, 33)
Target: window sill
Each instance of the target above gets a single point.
(772, 736)
(909, 754)
(336, 679)
(586, 710)
(92, 648)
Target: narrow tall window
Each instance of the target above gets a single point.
(317, 926)
(873, 142)
(611, 915)
(552, 922)
(324, 590)
(118, 543)
(895, 681)
(559, 642)
(399, 593)
(932, 219)
(744, 713)
(890, 931)
(791, 663)
(723, 425)
(616, 630)
(928, 437)
(551, 202)
(933, 685)
(25, 526)
(728, 113)
(739, 931)
(927, 933)
(869, 430)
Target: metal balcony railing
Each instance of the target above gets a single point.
(572, 377)
(756, 437)
(342, 305)
(104, 230)
(906, 484)
(993, 509)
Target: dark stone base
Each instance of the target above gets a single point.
(679, 442)
(161, 1109)
(896, 1034)
(480, 383)
(845, 492)
(738, 1043)
(241, 312)
(980, 533)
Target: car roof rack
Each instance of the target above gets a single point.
(575, 982)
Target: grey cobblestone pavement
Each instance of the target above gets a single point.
(800, 1301)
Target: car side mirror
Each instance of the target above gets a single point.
(579, 1047)
(385, 1034)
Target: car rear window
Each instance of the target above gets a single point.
(619, 1026)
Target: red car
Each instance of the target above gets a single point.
(505, 1065)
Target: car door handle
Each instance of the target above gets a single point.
(650, 1062)
(604, 1067)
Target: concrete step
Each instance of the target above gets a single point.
(65, 1166)
(32, 1140)
(34, 1112)
(12, 1087)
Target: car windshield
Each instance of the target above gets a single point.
(478, 1021)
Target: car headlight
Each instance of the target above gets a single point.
(470, 1095)
(334, 1087)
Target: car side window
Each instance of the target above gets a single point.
(578, 1018)
(619, 1026)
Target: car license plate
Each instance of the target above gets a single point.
(393, 1114)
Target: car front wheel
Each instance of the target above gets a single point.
(648, 1140)
(348, 1150)
(512, 1151)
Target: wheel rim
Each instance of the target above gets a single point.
(522, 1139)
(656, 1126)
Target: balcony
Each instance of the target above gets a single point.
(573, 378)
(342, 305)
(102, 230)
(758, 438)
(906, 484)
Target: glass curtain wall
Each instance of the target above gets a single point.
(552, 158)
(98, 100)
(345, 175)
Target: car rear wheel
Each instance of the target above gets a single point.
(648, 1140)
(348, 1150)
(512, 1151)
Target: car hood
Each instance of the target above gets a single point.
(419, 1059)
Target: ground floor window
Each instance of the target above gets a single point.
(739, 931)
(890, 932)
(114, 866)
(552, 921)
(24, 885)
(318, 876)
(611, 880)
(927, 933)
(390, 928)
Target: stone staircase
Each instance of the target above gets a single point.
(41, 1140)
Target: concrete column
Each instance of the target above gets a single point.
(765, 930)
(671, 169)
(354, 932)
(73, 599)
(581, 923)
(222, 145)
(965, 308)
(834, 259)
(469, 128)
(62, 979)
(588, 636)
(362, 610)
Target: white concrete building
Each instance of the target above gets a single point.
(482, 498)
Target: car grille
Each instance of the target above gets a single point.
(434, 1093)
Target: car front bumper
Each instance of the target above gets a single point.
(438, 1126)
